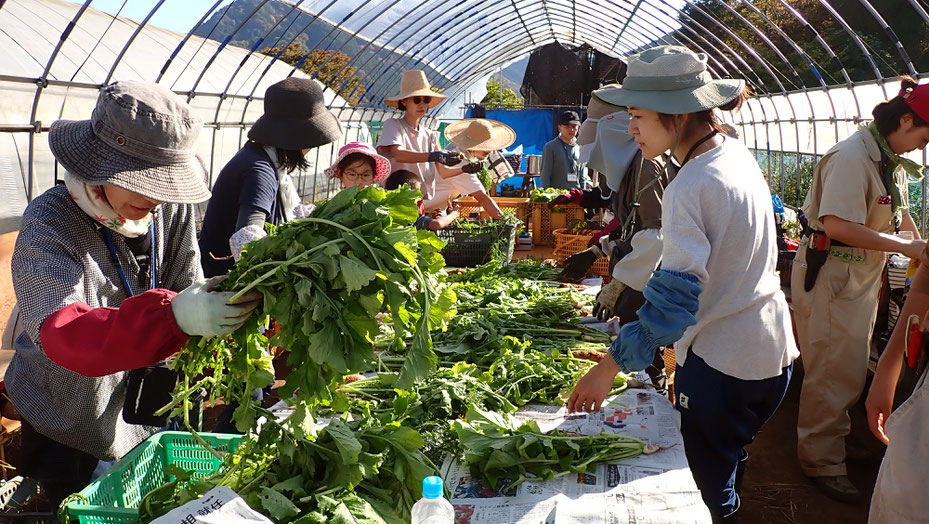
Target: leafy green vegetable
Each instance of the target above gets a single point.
(499, 447)
(352, 471)
(546, 194)
(324, 278)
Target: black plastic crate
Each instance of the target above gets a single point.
(467, 248)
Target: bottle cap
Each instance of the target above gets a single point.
(432, 487)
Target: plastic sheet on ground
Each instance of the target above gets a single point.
(648, 489)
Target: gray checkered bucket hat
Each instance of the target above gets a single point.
(140, 137)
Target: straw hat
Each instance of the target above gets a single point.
(295, 117)
(381, 164)
(671, 80)
(480, 134)
(141, 137)
(414, 83)
(596, 109)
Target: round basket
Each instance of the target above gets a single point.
(567, 244)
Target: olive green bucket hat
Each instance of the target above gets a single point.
(671, 80)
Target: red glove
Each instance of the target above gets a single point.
(595, 239)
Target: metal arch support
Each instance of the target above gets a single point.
(129, 42)
(354, 35)
(892, 35)
(851, 32)
(622, 30)
(251, 51)
(751, 51)
(40, 86)
(183, 42)
(264, 73)
(220, 48)
(822, 42)
(350, 63)
(804, 89)
(919, 9)
(520, 17)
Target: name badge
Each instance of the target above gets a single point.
(884, 200)
(572, 177)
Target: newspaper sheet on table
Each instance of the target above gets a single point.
(648, 489)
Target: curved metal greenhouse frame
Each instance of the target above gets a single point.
(817, 67)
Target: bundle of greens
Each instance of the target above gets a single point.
(546, 194)
(324, 278)
(499, 447)
(351, 471)
(522, 375)
(526, 268)
(429, 405)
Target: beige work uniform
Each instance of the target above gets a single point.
(835, 319)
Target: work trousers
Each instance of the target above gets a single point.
(834, 323)
(900, 492)
(720, 415)
(62, 470)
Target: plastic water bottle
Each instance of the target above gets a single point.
(433, 508)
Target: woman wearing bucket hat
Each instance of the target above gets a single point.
(561, 167)
(108, 279)
(632, 193)
(857, 199)
(717, 296)
(408, 144)
(475, 138)
(358, 164)
(255, 187)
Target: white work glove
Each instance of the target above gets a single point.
(200, 311)
(303, 210)
(607, 298)
(243, 236)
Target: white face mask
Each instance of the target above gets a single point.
(613, 149)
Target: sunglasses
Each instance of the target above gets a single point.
(422, 99)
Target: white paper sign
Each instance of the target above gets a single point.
(219, 506)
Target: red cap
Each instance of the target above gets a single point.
(917, 98)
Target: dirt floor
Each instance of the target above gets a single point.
(776, 491)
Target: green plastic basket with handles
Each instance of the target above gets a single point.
(114, 497)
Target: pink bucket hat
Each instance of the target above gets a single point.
(381, 164)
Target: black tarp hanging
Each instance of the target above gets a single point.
(562, 75)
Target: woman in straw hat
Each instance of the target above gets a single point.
(107, 274)
(475, 138)
(632, 193)
(255, 186)
(717, 296)
(408, 144)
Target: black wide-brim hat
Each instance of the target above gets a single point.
(295, 117)
(141, 138)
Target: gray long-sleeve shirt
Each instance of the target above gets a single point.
(559, 161)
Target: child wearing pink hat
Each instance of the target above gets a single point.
(358, 164)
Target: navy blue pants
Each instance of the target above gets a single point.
(720, 415)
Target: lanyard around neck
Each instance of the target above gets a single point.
(108, 238)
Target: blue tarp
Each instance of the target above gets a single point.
(533, 127)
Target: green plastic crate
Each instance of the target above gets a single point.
(115, 496)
